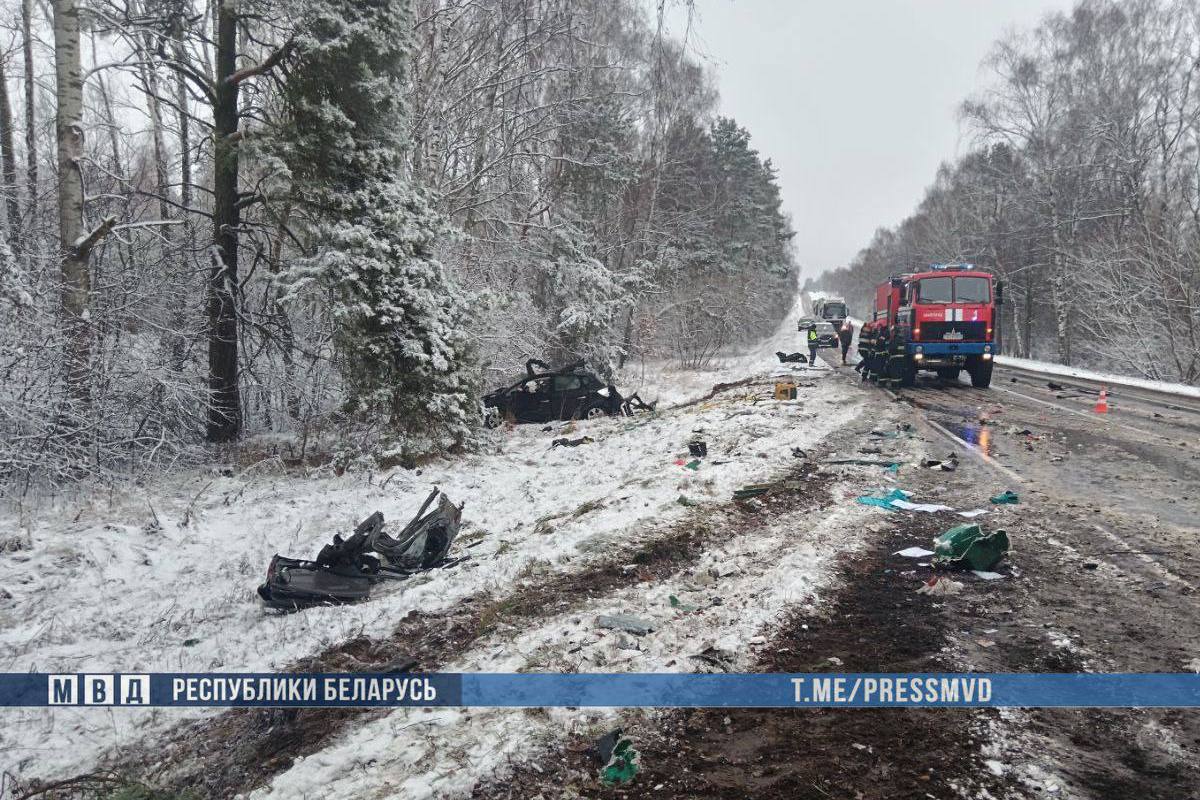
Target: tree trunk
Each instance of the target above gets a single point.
(188, 242)
(110, 118)
(162, 178)
(173, 338)
(181, 102)
(76, 279)
(1027, 345)
(31, 157)
(1058, 283)
(7, 157)
(287, 335)
(224, 410)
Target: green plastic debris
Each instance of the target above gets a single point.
(623, 765)
(753, 490)
(694, 464)
(686, 501)
(886, 500)
(676, 603)
(969, 547)
(1008, 497)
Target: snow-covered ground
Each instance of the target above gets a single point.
(765, 573)
(1058, 370)
(671, 385)
(163, 577)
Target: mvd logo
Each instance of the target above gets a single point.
(98, 690)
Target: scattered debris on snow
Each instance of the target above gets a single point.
(939, 587)
(627, 623)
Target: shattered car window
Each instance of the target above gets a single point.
(567, 383)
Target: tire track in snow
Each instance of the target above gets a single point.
(780, 563)
(415, 753)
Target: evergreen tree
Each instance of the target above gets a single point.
(584, 298)
(398, 323)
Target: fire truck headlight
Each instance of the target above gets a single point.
(918, 354)
(989, 332)
(987, 356)
(917, 333)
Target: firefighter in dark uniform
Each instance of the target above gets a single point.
(894, 358)
(880, 356)
(868, 344)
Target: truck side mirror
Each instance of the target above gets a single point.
(999, 293)
(897, 283)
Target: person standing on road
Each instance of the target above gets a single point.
(812, 345)
(845, 336)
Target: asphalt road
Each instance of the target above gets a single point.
(1106, 570)
(1102, 577)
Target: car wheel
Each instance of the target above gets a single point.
(595, 412)
(492, 418)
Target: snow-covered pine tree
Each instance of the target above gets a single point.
(583, 299)
(398, 322)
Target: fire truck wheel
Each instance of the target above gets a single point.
(981, 373)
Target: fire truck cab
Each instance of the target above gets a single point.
(939, 320)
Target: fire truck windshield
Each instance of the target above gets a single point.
(972, 290)
(935, 290)
(953, 290)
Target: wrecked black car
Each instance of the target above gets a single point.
(345, 569)
(546, 394)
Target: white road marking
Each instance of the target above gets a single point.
(1003, 470)
(1086, 415)
(1166, 573)
(975, 451)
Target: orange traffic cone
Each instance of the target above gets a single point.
(1102, 403)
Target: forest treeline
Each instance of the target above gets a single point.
(297, 217)
(1082, 192)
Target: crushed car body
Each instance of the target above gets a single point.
(545, 394)
(346, 569)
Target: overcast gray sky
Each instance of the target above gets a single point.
(854, 101)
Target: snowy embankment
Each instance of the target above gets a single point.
(162, 578)
(1060, 371)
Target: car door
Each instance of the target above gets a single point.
(531, 402)
(569, 394)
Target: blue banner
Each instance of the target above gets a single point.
(661, 690)
(230, 690)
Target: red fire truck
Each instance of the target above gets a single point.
(939, 320)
